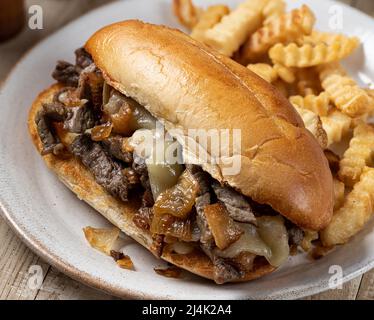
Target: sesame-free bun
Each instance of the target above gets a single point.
(186, 85)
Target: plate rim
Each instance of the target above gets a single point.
(96, 282)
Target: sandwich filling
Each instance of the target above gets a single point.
(181, 205)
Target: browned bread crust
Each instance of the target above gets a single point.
(189, 86)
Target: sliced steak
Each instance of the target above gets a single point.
(223, 271)
(66, 73)
(76, 120)
(205, 232)
(107, 173)
(50, 141)
(203, 199)
(82, 58)
(140, 168)
(114, 147)
(79, 119)
(90, 87)
(235, 203)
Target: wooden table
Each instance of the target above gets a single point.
(16, 258)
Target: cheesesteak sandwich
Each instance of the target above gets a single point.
(97, 127)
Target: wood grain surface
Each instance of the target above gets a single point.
(17, 261)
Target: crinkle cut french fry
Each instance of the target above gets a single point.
(309, 55)
(274, 9)
(286, 74)
(356, 211)
(359, 154)
(186, 12)
(284, 28)
(370, 93)
(322, 37)
(344, 91)
(272, 73)
(336, 125)
(208, 19)
(265, 71)
(231, 32)
(313, 123)
(339, 192)
(318, 104)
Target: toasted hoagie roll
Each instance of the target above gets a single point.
(227, 225)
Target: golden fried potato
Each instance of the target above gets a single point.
(286, 74)
(356, 211)
(208, 19)
(359, 154)
(274, 9)
(231, 32)
(264, 70)
(284, 28)
(344, 91)
(336, 125)
(309, 55)
(318, 104)
(339, 192)
(272, 73)
(186, 12)
(313, 123)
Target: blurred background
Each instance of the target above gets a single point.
(15, 15)
(19, 31)
(16, 36)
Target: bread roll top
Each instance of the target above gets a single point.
(187, 86)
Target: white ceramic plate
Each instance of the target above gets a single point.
(49, 218)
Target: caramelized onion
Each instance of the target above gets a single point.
(106, 92)
(101, 132)
(118, 112)
(225, 231)
(126, 114)
(125, 263)
(250, 241)
(143, 118)
(179, 199)
(101, 239)
(169, 225)
(163, 177)
(273, 232)
(170, 272)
